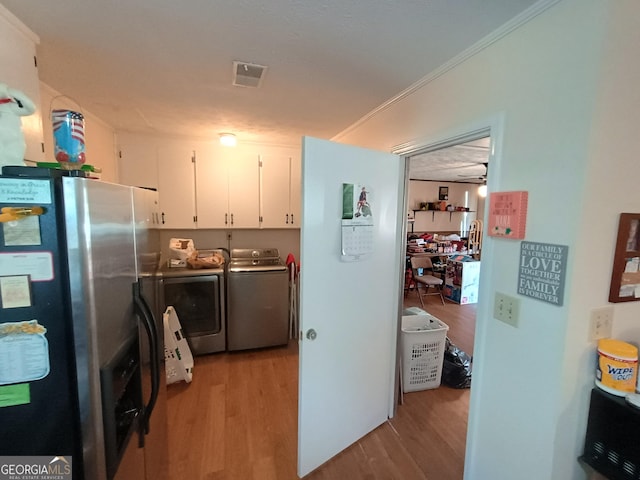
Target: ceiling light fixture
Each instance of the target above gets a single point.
(228, 139)
(482, 191)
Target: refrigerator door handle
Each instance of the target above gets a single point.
(146, 316)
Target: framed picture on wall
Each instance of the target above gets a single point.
(508, 214)
(443, 193)
(625, 276)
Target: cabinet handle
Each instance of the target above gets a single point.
(226, 215)
(232, 219)
(287, 219)
(163, 218)
(292, 219)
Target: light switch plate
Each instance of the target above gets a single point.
(506, 309)
(601, 323)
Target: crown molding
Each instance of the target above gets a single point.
(16, 23)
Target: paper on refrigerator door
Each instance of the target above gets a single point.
(39, 265)
(24, 352)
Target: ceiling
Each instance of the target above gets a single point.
(467, 162)
(165, 67)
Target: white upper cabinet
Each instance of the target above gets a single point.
(295, 190)
(205, 185)
(146, 208)
(176, 187)
(227, 186)
(280, 189)
(20, 72)
(244, 189)
(138, 165)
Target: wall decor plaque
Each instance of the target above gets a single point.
(542, 271)
(508, 214)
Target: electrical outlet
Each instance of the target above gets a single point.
(506, 309)
(601, 323)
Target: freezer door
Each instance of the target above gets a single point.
(102, 267)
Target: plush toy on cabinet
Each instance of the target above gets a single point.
(13, 105)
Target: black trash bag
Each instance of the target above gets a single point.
(456, 367)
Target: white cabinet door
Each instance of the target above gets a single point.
(176, 187)
(19, 71)
(227, 188)
(153, 208)
(280, 190)
(295, 189)
(212, 187)
(144, 208)
(274, 201)
(244, 190)
(138, 165)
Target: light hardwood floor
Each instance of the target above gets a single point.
(237, 420)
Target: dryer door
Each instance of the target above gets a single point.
(199, 303)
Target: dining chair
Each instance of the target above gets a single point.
(427, 279)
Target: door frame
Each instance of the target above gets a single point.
(492, 126)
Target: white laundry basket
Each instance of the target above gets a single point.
(423, 343)
(177, 354)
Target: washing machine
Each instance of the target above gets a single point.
(258, 299)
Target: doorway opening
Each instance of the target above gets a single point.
(445, 193)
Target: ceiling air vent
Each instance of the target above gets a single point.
(248, 74)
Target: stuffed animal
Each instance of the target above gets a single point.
(13, 105)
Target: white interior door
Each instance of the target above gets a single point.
(347, 371)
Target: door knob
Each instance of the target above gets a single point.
(311, 334)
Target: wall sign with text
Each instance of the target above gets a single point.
(508, 214)
(542, 271)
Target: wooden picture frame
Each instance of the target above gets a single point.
(625, 277)
(443, 193)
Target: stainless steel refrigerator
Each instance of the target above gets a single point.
(81, 349)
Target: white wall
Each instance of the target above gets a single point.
(460, 195)
(611, 188)
(562, 88)
(100, 147)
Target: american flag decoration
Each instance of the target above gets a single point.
(68, 133)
